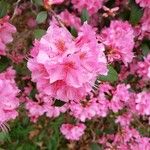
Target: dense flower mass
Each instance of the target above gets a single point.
(8, 96)
(144, 68)
(73, 132)
(91, 5)
(144, 3)
(143, 103)
(6, 31)
(77, 73)
(119, 39)
(66, 68)
(145, 23)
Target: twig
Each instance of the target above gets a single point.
(15, 10)
(57, 18)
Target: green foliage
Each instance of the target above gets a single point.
(95, 146)
(145, 46)
(112, 75)
(38, 33)
(38, 2)
(84, 15)
(41, 17)
(4, 63)
(4, 137)
(55, 138)
(136, 13)
(74, 32)
(4, 6)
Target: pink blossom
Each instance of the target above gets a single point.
(145, 23)
(116, 38)
(72, 132)
(89, 109)
(124, 119)
(43, 105)
(91, 5)
(6, 31)
(64, 67)
(8, 93)
(143, 103)
(31, 22)
(69, 19)
(144, 68)
(120, 97)
(35, 110)
(143, 3)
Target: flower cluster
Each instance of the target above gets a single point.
(8, 96)
(6, 31)
(116, 38)
(66, 68)
(88, 71)
(91, 5)
(144, 3)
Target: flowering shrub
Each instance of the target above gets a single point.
(75, 74)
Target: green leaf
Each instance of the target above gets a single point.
(84, 15)
(4, 6)
(4, 137)
(59, 103)
(74, 32)
(38, 33)
(145, 49)
(112, 75)
(41, 17)
(95, 146)
(136, 13)
(38, 2)
(4, 63)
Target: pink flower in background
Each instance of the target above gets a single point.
(8, 96)
(91, 5)
(144, 68)
(119, 40)
(143, 103)
(120, 97)
(72, 132)
(66, 68)
(69, 19)
(143, 3)
(43, 105)
(145, 23)
(6, 31)
(124, 119)
(35, 110)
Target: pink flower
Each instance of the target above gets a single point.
(143, 103)
(124, 119)
(6, 31)
(73, 132)
(69, 19)
(34, 110)
(144, 68)
(145, 23)
(143, 3)
(116, 38)
(91, 5)
(8, 93)
(66, 68)
(120, 97)
(44, 105)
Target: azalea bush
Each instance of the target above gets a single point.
(75, 74)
